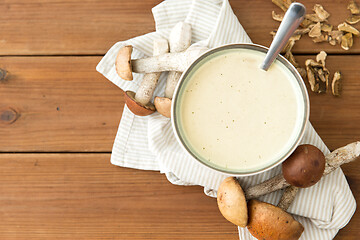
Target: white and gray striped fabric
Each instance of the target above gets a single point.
(148, 142)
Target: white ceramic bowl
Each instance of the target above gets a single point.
(176, 123)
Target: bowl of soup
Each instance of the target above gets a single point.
(236, 118)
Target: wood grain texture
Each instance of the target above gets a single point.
(83, 196)
(43, 27)
(352, 229)
(61, 104)
(46, 27)
(54, 104)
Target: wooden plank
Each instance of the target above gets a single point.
(71, 27)
(351, 231)
(83, 196)
(57, 104)
(93, 26)
(63, 104)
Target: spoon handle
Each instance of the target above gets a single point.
(292, 19)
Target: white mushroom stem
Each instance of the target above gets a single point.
(334, 160)
(288, 197)
(171, 82)
(179, 41)
(168, 61)
(149, 82)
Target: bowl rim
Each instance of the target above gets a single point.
(255, 47)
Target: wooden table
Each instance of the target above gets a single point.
(59, 117)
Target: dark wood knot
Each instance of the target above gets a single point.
(3, 75)
(9, 116)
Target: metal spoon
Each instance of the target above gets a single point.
(292, 19)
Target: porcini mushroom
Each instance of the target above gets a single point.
(123, 63)
(353, 19)
(161, 63)
(304, 167)
(265, 221)
(268, 222)
(353, 7)
(277, 224)
(163, 106)
(336, 85)
(335, 159)
(139, 103)
(179, 40)
(348, 28)
(231, 202)
(288, 197)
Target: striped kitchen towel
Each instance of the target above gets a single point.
(148, 142)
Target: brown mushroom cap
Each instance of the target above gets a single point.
(232, 203)
(304, 167)
(163, 106)
(136, 107)
(268, 222)
(123, 63)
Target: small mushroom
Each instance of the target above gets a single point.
(232, 203)
(321, 57)
(321, 38)
(325, 27)
(268, 222)
(306, 23)
(347, 41)
(137, 108)
(315, 30)
(314, 85)
(304, 167)
(336, 85)
(318, 74)
(139, 103)
(179, 40)
(161, 63)
(313, 18)
(267, 229)
(353, 19)
(334, 160)
(177, 62)
(353, 7)
(312, 75)
(277, 16)
(335, 35)
(321, 12)
(163, 106)
(283, 4)
(348, 28)
(123, 63)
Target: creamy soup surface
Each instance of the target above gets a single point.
(237, 116)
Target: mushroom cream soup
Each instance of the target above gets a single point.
(237, 117)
